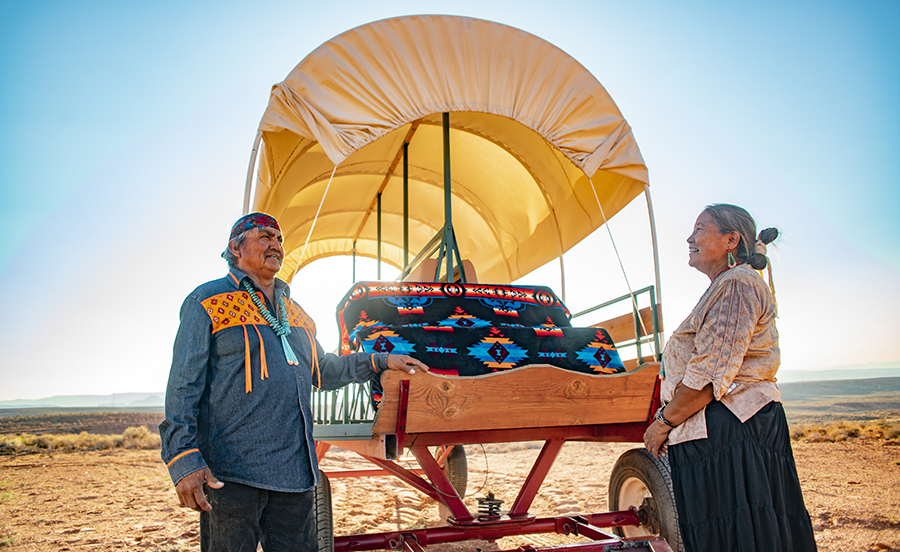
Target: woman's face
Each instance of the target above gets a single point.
(708, 247)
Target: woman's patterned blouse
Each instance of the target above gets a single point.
(729, 340)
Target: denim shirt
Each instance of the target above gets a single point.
(244, 414)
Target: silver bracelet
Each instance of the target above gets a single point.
(659, 417)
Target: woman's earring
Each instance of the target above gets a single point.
(732, 262)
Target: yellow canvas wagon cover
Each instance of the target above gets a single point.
(529, 126)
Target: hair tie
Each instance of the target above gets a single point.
(761, 247)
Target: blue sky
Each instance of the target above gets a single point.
(125, 131)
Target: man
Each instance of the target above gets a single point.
(237, 437)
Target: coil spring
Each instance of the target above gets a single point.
(489, 506)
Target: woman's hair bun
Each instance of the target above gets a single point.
(758, 261)
(768, 235)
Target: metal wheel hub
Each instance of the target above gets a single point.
(649, 515)
(634, 493)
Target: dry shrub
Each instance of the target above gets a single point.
(25, 441)
(842, 431)
(106, 442)
(892, 431)
(140, 437)
(43, 441)
(836, 434)
(797, 433)
(810, 433)
(64, 443)
(134, 437)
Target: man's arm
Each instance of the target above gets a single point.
(338, 371)
(187, 382)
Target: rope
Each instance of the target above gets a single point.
(619, 258)
(315, 219)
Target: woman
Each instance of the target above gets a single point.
(722, 423)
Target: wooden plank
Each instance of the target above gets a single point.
(375, 446)
(529, 397)
(621, 328)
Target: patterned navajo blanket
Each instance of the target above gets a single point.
(471, 329)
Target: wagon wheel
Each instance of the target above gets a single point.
(324, 520)
(640, 480)
(456, 466)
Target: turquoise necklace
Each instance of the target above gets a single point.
(282, 329)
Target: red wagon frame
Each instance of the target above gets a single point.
(466, 525)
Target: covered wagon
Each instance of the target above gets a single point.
(467, 154)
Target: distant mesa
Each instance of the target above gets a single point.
(153, 400)
(871, 370)
(118, 400)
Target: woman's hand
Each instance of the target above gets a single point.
(655, 439)
(684, 404)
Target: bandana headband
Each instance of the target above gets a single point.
(253, 220)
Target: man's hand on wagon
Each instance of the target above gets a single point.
(405, 363)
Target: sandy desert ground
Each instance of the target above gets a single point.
(123, 500)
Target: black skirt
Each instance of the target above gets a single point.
(738, 489)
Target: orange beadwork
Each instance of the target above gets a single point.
(237, 309)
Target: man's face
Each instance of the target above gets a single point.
(261, 253)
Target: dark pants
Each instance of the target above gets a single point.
(243, 516)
